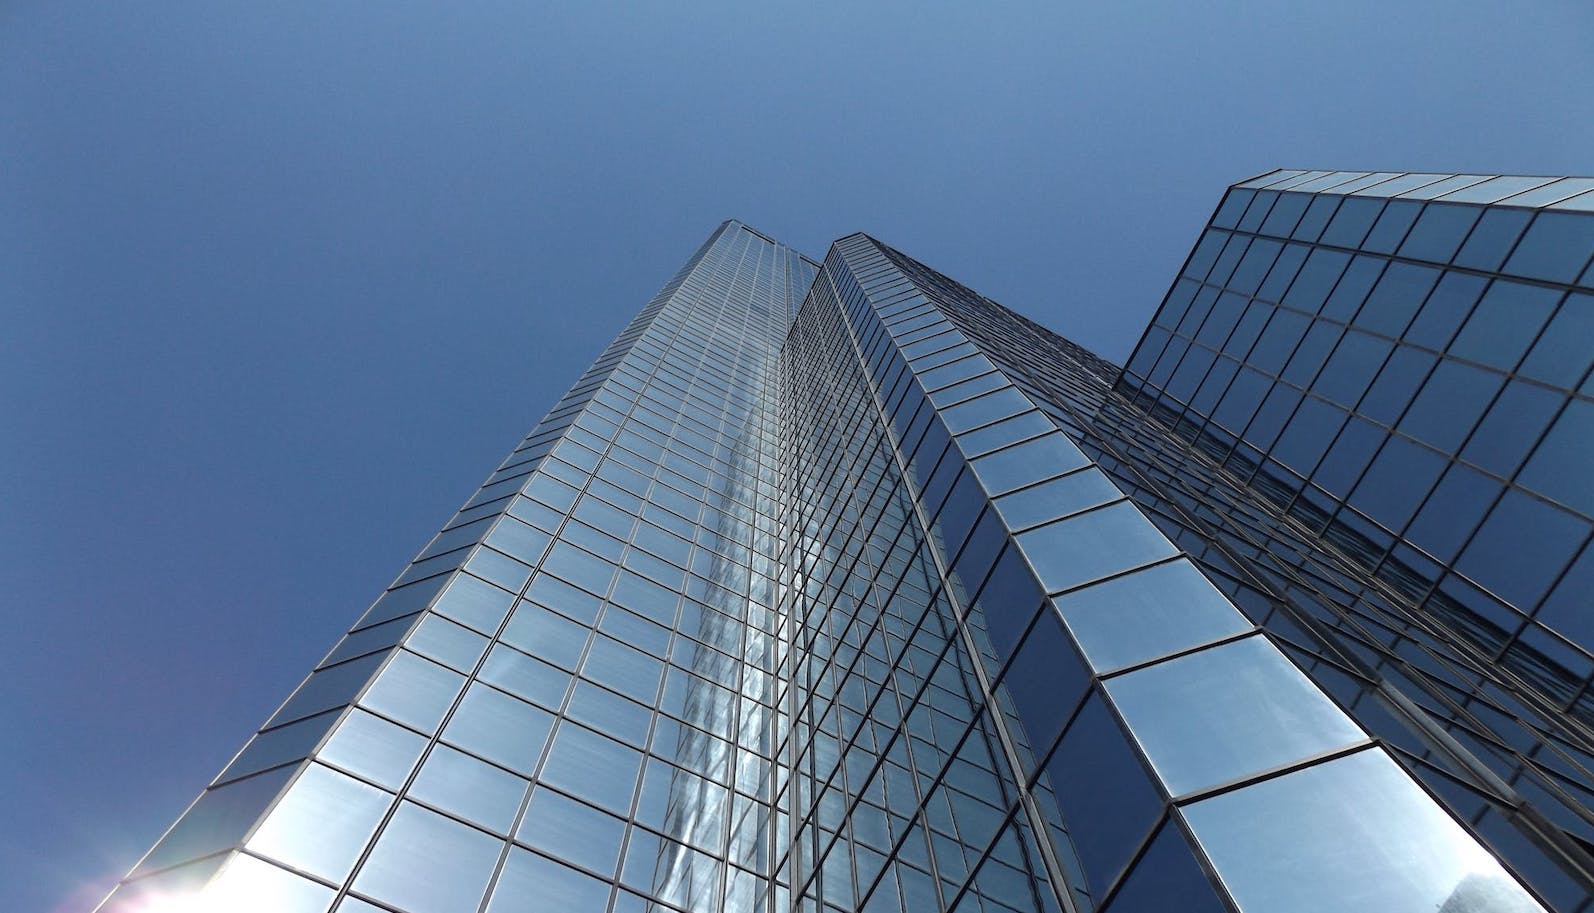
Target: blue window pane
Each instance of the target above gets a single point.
(1350, 834)
(414, 691)
(1505, 323)
(1453, 512)
(1439, 231)
(1286, 212)
(500, 728)
(1351, 223)
(1028, 462)
(218, 820)
(1108, 805)
(525, 676)
(1149, 613)
(1283, 272)
(1396, 482)
(322, 823)
(573, 831)
(1556, 247)
(468, 788)
(426, 863)
(1400, 377)
(1045, 680)
(1353, 287)
(1316, 279)
(374, 748)
(1391, 226)
(475, 603)
(1559, 467)
(533, 884)
(450, 644)
(1091, 545)
(1351, 367)
(1059, 497)
(1450, 403)
(1521, 548)
(592, 767)
(1226, 712)
(1492, 238)
(1400, 292)
(1562, 355)
(1167, 878)
(985, 409)
(1512, 425)
(546, 635)
(1311, 226)
(1445, 309)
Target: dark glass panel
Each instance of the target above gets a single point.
(1400, 292)
(1449, 404)
(1556, 247)
(1520, 548)
(1400, 377)
(1283, 272)
(1287, 210)
(1512, 425)
(1316, 279)
(1396, 482)
(1492, 238)
(1353, 287)
(1355, 361)
(1308, 435)
(1445, 310)
(1317, 216)
(1563, 354)
(1453, 512)
(1560, 467)
(1505, 323)
(1168, 877)
(1439, 231)
(1391, 226)
(1351, 223)
(1107, 801)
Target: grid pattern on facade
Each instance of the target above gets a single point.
(848, 589)
(1429, 421)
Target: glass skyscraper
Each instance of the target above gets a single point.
(840, 587)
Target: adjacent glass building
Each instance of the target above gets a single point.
(840, 587)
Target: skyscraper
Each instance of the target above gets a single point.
(841, 587)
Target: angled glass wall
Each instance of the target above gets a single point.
(568, 699)
(844, 589)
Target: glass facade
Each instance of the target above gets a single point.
(839, 587)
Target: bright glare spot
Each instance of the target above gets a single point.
(246, 885)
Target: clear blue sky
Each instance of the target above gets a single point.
(281, 282)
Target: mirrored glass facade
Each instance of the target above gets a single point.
(839, 587)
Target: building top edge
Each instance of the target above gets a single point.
(1531, 191)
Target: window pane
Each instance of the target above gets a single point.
(374, 749)
(533, 884)
(1147, 614)
(414, 691)
(1352, 834)
(1028, 462)
(1225, 712)
(322, 823)
(593, 767)
(500, 728)
(471, 789)
(1090, 545)
(425, 863)
(573, 831)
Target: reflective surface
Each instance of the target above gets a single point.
(847, 589)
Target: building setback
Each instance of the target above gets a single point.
(840, 587)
